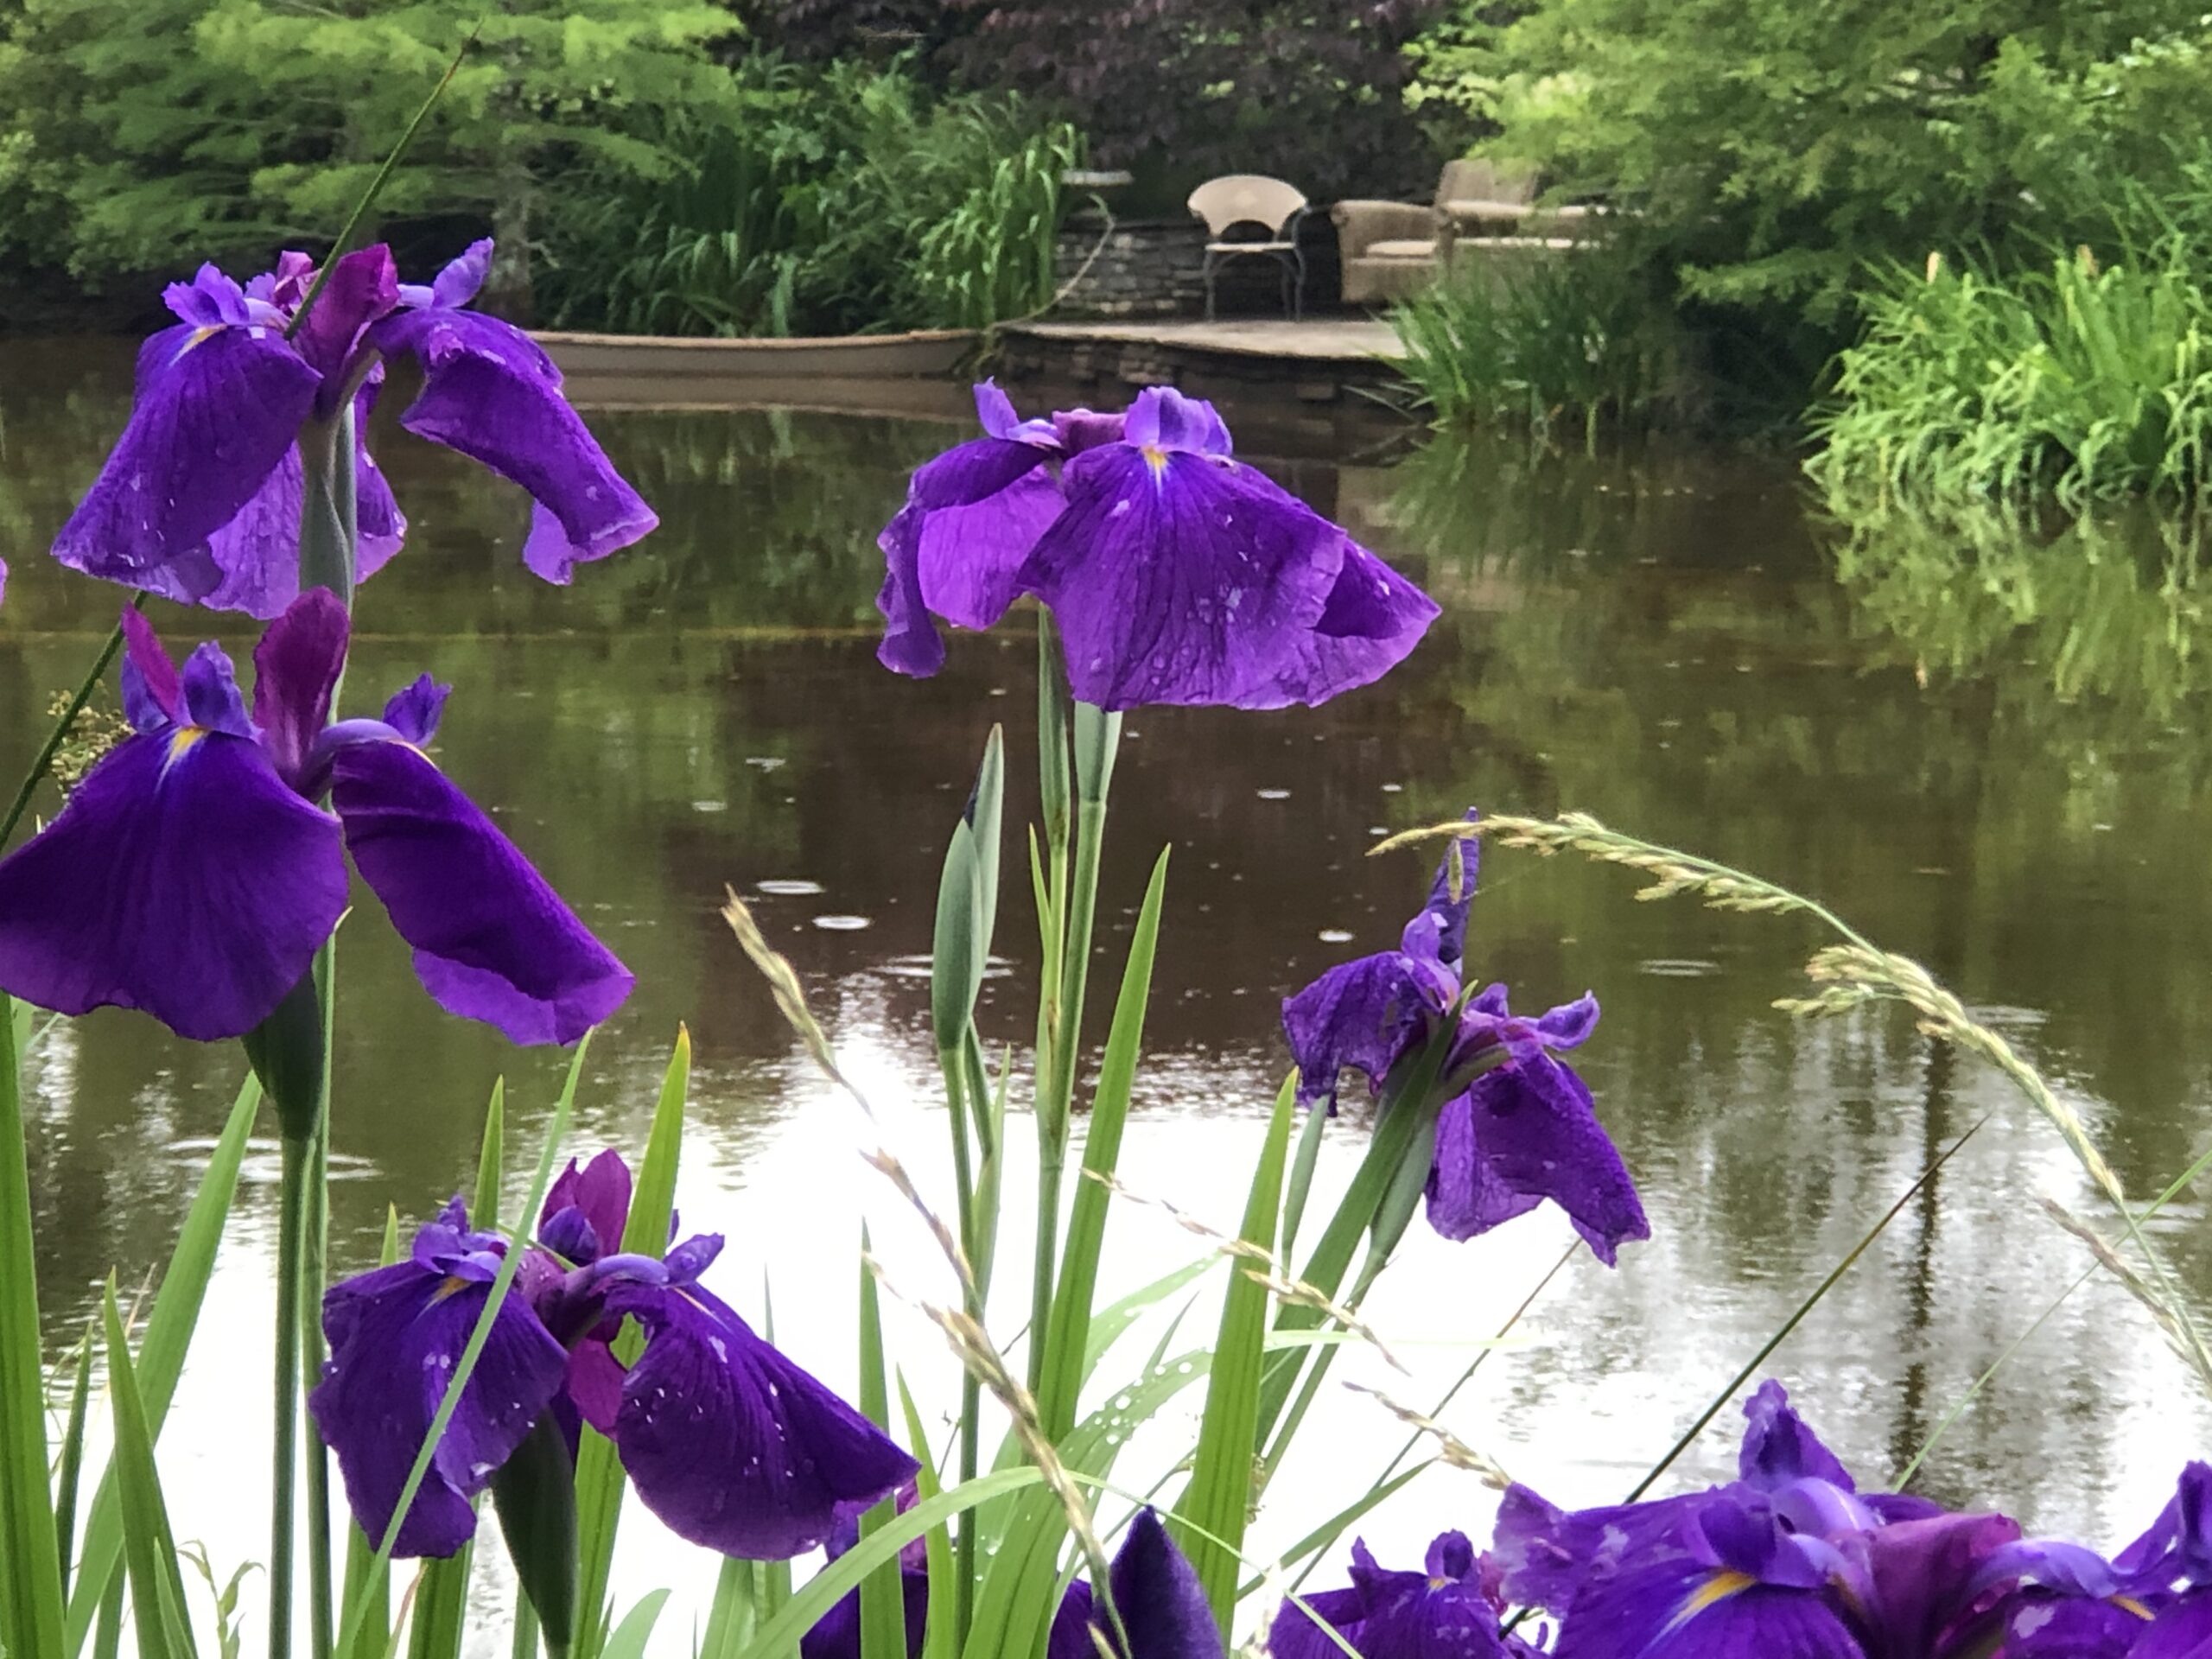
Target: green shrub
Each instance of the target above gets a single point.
(1544, 341)
(821, 201)
(2083, 380)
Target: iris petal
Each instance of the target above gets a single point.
(1529, 1129)
(490, 392)
(1157, 1593)
(599, 1192)
(1364, 1015)
(295, 669)
(730, 1443)
(1779, 1446)
(1179, 578)
(1678, 1609)
(396, 1336)
(493, 941)
(183, 877)
(215, 415)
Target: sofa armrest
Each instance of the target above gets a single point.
(1360, 225)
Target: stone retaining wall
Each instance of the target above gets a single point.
(1155, 267)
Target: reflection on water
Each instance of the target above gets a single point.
(1984, 749)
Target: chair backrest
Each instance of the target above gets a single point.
(1477, 178)
(1246, 198)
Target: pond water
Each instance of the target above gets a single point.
(1985, 748)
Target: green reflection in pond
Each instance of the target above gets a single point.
(1665, 639)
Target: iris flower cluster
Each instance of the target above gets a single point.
(1790, 1561)
(1508, 1136)
(1176, 573)
(726, 1439)
(201, 499)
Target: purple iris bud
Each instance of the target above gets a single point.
(1521, 1132)
(1449, 1608)
(192, 876)
(1177, 574)
(1156, 1591)
(200, 498)
(726, 1440)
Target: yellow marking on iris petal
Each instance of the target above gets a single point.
(453, 1287)
(199, 335)
(1717, 1589)
(2129, 1605)
(182, 742)
(1154, 457)
(1438, 1584)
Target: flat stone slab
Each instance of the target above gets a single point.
(1322, 339)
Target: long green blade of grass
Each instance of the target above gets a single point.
(169, 1324)
(636, 1629)
(939, 1637)
(156, 1586)
(30, 1562)
(883, 1596)
(1218, 1500)
(73, 1456)
(1068, 1339)
(780, 1634)
(598, 1472)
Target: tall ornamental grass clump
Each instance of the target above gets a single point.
(1553, 343)
(563, 1357)
(2083, 380)
(819, 201)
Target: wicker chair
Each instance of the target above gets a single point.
(1253, 198)
(1394, 249)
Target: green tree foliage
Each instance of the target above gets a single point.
(1773, 149)
(142, 135)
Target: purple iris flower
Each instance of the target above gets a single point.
(1177, 574)
(200, 498)
(1520, 1131)
(727, 1440)
(192, 876)
(1789, 1560)
(1448, 1611)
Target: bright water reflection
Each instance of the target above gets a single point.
(1971, 748)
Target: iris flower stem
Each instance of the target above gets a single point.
(1097, 738)
(971, 1397)
(291, 1242)
(314, 1276)
(60, 733)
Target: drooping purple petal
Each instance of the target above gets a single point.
(183, 878)
(1297, 1632)
(731, 1443)
(1177, 577)
(396, 1336)
(379, 526)
(1365, 1016)
(216, 413)
(1569, 1025)
(210, 300)
(1544, 1554)
(2182, 1630)
(1528, 1130)
(296, 669)
(2045, 1627)
(490, 392)
(958, 548)
(1678, 1610)
(492, 940)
